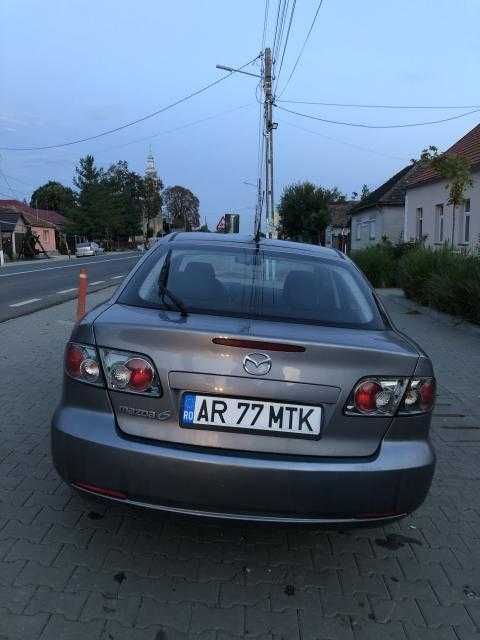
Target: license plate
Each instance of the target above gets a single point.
(253, 416)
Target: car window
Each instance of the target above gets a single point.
(83, 244)
(266, 284)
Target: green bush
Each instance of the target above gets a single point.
(442, 279)
(378, 264)
(414, 271)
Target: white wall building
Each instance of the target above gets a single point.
(381, 214)
(429, 217)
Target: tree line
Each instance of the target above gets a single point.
(116, 203)
(303, 210)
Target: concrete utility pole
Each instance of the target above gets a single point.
(269, 127)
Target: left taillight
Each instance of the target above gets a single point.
(130, 372)
(83, 364)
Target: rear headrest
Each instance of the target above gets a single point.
(197, 283)
(200, 270)
(300, 289)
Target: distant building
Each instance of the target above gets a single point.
(337, 233)
(47, 225)
(156, 223)
(429, 217)
(13, 226)
(382, 213)
(55, 218)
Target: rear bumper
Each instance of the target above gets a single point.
(87, 447)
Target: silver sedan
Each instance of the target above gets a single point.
(245, 379)
(84, 249)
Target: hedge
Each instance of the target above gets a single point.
(442, 279)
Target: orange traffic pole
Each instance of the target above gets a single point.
(82, 293)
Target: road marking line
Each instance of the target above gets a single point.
(115, 277)
(20, 304)
(96, 282)
(68, 290)
(65, 266)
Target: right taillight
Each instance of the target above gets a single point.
(376, 396)
(419, 396)
(385, 396)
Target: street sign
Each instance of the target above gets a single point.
(232, 223)
(221, 225)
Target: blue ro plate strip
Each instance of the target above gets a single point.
(188, 410)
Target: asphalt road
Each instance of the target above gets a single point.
(29, 286)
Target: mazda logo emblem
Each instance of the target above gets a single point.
(257, 364)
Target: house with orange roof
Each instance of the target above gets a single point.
(429, 217)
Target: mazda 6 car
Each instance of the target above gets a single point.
(251, 379)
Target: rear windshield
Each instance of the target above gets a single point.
(264, 284)
(83, 244)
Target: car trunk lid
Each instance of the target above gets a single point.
(187, 360)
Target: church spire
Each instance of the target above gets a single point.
(151, 170)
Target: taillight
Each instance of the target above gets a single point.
(130, 372)
(419, 397)
(376, 396)
(82, 363)
(365, 397)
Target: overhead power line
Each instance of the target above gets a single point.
(277, 23)
(347, 144)
(133, 122)
(27, 184)
(179, 128)
(362, 125)
(12, 191)
(265, 24)
(381, 106)
(302, 47)
(276, 49)
(292, 11)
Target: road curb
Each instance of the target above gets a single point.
(16, 263)
(55, 303)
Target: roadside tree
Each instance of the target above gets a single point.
(84, 220)
(182, 207)
(53, 196)
(303, 211)
(122, 191)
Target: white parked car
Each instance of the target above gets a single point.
(84, 249)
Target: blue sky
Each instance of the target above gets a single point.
(73, 68)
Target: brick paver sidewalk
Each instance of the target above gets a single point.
(73, 571)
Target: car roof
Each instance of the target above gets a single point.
(199, 237)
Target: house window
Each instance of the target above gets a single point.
(373, 231)
(439, 223)
(464, 227)
(45, 234)
(419, 223)
(359, 230)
